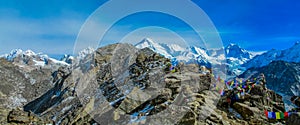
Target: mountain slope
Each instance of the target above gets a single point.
(30, 58)
(283, 77)
(120, 84)
(235, 51)
(289, 55)
(149, 43)
(231, 56)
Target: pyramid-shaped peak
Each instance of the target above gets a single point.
(148, 40)
(233, 45)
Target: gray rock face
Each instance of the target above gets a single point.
(119, 84)
(282, 76)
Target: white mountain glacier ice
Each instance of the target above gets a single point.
(173, 50)
(235, 51)
(147, 42)
(231, 56)
(82, 54)
(29, 57)
(289, 55)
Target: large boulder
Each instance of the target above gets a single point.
(293, 119)
(246, 111)
(18, 116)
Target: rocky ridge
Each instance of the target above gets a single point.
(119, 84)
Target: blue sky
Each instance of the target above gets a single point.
(52, 26)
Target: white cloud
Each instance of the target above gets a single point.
(54, 35)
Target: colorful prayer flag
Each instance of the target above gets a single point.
(270, 115)
(286, 114)
(277, 115)
(281, 115)
(273, 115)
(221, 92)
(266, 113)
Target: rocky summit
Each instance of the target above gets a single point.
(121, 84)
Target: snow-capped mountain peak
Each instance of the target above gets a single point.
(231, 56)
(29, 57)
(289, 55)
(235, 51)
(157, 47)
(29, 53)
(14, 53)
(82, 54)
(67, 58)
(149, 40)
(146, 42)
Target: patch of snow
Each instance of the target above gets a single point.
(13, 54)
(66, 109)
(32, 81)
(117, 100)
(289, 55)
(82, 54)
(59, 62)
(29, 53)
(235, 55)
(17, 101)
(68, 99)
(39, 63)
(256, 53)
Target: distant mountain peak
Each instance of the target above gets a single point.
(296, 45)
(232, 45)
(148, 41)
(83, 53)
(289, 55)
(29, 57)
(234, 50)
(29, 52)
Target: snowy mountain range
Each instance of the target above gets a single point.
(289, 55)
(281, 67)
(231, 56)
(236, 59)
(30, 58)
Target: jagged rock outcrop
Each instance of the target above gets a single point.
(250, 107)
(282, 76)
(120, 84)
(21, 117)
(20, 85)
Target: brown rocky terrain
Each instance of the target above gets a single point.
(119, 84)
